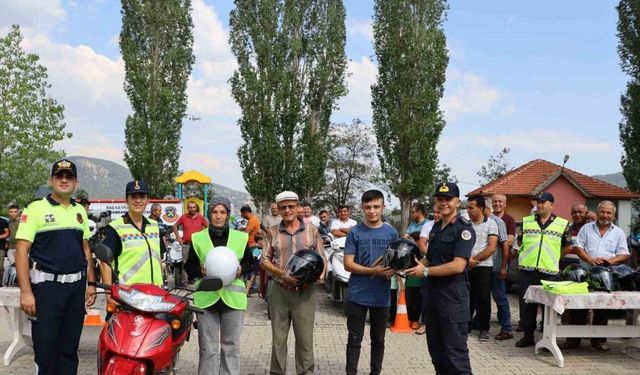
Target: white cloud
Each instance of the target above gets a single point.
(79, 71)
(39, 15)
(362, 74)
(199, 161)
(360, 28)
(543, 141)
(209, 91)
(509, 110)
(467, 93)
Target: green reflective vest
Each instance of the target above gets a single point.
(234, 294)
(140, 260)
(541, 248)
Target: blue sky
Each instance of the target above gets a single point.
(542, 78)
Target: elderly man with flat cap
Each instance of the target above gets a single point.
(545, 239)
(447, 311)
(289, 303)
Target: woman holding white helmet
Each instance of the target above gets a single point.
(220, 326)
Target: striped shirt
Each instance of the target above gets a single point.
(502, 237)
(279, 244)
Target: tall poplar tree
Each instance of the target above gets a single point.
(411, 50)
(291, 70)
(629, 51)
(156, 42)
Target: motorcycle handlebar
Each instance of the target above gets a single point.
(99, 285)
(195, 309)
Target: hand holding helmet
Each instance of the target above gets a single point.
(401, 255)
(222, 262)
(304, 267)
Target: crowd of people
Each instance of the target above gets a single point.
(463, 265)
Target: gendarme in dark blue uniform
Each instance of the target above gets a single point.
(58, 275)
(447, 310)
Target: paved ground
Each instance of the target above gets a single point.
(405, 353)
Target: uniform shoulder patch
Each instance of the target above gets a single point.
(466, 235)
(464, 220)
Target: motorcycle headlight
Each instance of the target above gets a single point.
(145, 302)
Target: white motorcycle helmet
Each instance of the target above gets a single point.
(172, 236)
(93, 227)
(222, 262)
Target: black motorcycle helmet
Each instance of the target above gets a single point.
(574, 272)
(400, 254)
(636, 278)
(600, 279)
(306, 266)
(623, 277)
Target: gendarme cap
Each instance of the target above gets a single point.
(447, 189)
(64, 165)
(137, 186)
(545, 196)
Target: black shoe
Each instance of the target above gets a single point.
(519, 328)
(525, 342)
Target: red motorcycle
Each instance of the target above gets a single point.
(148, 327)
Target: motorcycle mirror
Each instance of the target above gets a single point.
(103, 252)
(209, 284)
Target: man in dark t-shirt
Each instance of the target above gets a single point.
(369, 285)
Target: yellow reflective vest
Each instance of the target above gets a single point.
(541, 248)
(140, 260)
(234, 294)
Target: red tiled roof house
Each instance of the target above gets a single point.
(567, 186)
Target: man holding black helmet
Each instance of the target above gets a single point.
(288, 301)
(599, 243)
(369, 285)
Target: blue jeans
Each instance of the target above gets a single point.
(499, 293)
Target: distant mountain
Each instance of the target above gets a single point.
(613, 178)
(104, 179)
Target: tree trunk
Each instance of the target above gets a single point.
(405, 211)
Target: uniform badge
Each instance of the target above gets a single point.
(466, 235)
(444, 188)
(23, 218)
(49, 218)
(137, 186)
(79, 218)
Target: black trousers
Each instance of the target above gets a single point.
(414, 303)
(447, 322)
(529, 311)
(480, 296)
(60, 312)
(356, 315)
(393, 305)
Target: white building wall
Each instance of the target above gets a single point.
(624, 215)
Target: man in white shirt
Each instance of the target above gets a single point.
(481, 263)
(342, 226)
(426, 229)
(599, 243)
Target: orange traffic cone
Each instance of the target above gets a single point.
(401, 324)
(93, 319)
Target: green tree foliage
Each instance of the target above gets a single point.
(496, 167)
(31, 122)
(349, 168)
(156, 42)
(412, 58)
(291, 70)
(629, 51)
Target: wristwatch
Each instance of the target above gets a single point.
(425, 273)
